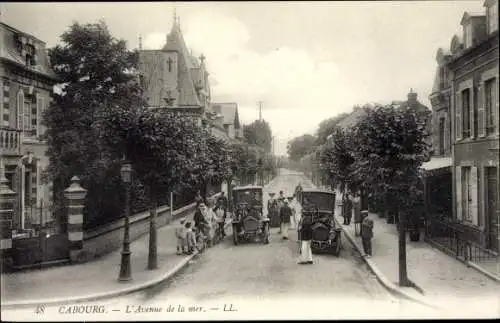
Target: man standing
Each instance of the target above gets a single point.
(222, 203)
(285, 215)
(367, 235)
(347, 209)
(305, 241)
(292, 203)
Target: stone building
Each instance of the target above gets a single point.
(174, 79)
(474, 106)
(26, 83)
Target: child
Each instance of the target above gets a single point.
(190, 238)
(180, 234)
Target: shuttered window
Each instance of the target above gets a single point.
(473, 196)
(39, 111)
(490, 107)
(458, 114)
(466, 113)
(20, 109)
(458, 191)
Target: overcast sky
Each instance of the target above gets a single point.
(307, 61)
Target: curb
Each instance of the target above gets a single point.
(128, 290)
(483, 271)
(392, 288)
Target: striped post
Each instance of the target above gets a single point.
(7, 200)
(76, 199)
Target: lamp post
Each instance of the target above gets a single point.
(125, 270)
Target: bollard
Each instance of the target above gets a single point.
(76, 200)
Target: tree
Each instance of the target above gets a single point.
(301, 146)
(391, 147)
(328, 126)
(258, 133)
(164, 150)
(337, 160)
(96, 73)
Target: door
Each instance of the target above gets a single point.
(492, 211)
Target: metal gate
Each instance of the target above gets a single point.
(42, 242)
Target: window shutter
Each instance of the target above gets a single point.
(496, 111)
(20, 110)
(38, 183)
(474, 178)
(481, 111)
(458, 191)
(471, 112)
(458, 114)
(446, 138)
(39, 111)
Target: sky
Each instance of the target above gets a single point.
(307, 61)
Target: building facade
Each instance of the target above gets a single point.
(175, 80)
(26, 83)
(474, 106)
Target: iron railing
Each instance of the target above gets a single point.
(455, 241)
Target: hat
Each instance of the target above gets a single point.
(202, 205)
(182, 221)
(285, 201)
(272, 194)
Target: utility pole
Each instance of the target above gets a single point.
(259, 104)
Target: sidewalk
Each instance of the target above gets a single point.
(435, 273)
(98, 277)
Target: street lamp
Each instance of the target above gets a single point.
(125, 270)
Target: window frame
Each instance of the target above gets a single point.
(466, 112)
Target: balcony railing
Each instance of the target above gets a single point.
(10, 141)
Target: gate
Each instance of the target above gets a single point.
(42, 242)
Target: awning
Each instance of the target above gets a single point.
(437, 162)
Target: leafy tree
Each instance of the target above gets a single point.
(391, 147)
(96, 73)
(258, 133)
(301, 146)
(328, 126)
(164, 150)
(337, 160)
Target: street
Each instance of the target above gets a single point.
(237, 277)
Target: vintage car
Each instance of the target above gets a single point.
(318, 207)
(248, 219)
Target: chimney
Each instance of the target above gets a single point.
(412, 97)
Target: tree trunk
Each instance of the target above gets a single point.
(153, 252)
(403, 274)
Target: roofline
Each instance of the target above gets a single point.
(51, 77)
(22, 32)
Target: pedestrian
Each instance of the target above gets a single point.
(347, 209)
(291, 202)
(198, 198)
(220, 219)
(180, 234)
(298, 190)
(305, 232)
(199, 218)
(190, 238)
(367, 235)
(211, 221)
(222, 202)
(281, 202)
(285, 215)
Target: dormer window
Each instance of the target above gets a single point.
(468, 34)
(492, 16)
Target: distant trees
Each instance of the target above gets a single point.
(328, 126)
(258, 133)
(301, 146)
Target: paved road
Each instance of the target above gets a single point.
(250, 276)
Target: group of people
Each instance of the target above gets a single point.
(209, 221)
(287, 208)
